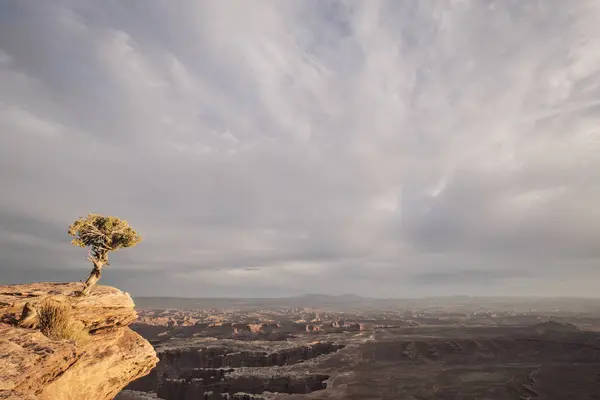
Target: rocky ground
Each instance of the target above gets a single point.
(34, 366)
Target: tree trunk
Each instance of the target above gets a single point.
(94, 277)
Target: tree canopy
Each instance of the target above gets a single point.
(103, 234)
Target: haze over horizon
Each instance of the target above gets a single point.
(264, 148)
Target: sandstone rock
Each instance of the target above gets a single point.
(31, 359)
(11, 395)
(107, 307)
(33, 366)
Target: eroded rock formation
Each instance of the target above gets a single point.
(229, 369)
(34, 366)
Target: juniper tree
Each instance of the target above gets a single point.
(102, 235)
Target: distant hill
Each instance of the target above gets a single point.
(355, 302)
(328, 297)
(309, 300)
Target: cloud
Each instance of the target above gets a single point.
(306, 146)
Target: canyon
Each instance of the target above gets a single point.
(436, 349)
(230, 368)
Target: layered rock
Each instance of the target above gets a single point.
(33, 366)
(107, 307)
(224, 370)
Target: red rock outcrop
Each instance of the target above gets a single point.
(33, 366)
(106, 308)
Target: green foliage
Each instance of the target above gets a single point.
(103, 234)
(56, 321)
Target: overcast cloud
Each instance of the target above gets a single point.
(272, 148)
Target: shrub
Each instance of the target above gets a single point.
(56, 321)
(102, 235)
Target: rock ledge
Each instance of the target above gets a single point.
(33, 366)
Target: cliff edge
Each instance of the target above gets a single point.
(35, 365)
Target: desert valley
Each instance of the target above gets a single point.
(348, 347)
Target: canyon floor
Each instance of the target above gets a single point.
(321, 347)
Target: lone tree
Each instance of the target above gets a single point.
(103, 235)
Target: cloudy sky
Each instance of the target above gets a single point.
(273, 148)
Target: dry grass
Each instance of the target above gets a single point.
(56, 321)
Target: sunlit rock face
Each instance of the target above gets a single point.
(34, 366)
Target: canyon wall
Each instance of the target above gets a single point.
(233, 370)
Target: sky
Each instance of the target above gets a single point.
(276, 148)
